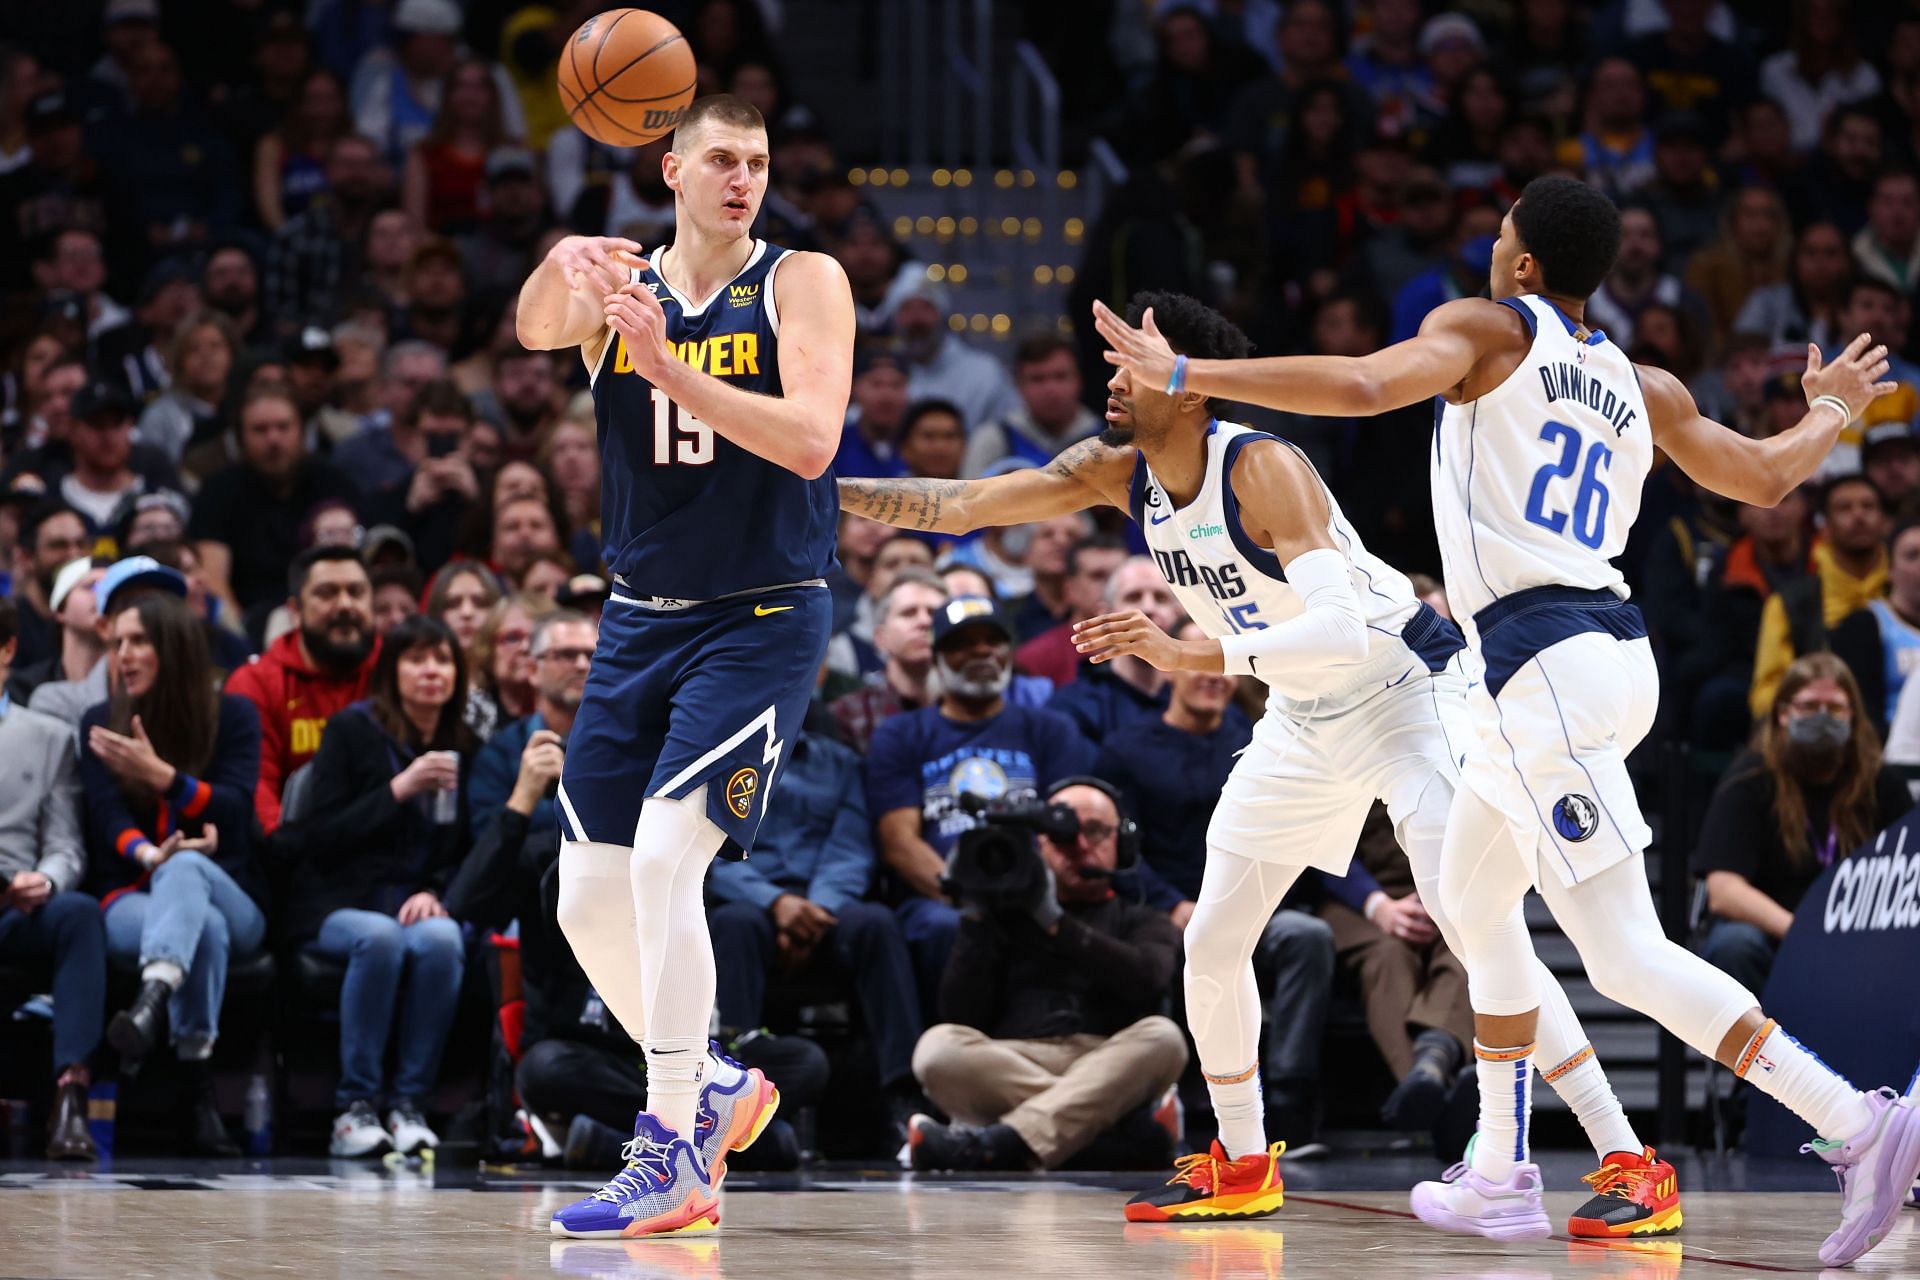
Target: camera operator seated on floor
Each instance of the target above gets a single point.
(169, 767)
(1051, 1034)
(1170, 769)
(1811, 790)
(973, 740)
(795, 909)
(44, 918)
(384, 833)
(578, 1070)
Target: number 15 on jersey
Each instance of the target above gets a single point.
(678, 436)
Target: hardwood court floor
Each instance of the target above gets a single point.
(353, 1222)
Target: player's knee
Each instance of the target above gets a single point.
(586, 901)
(1205, 993)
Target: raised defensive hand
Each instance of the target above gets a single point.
(1854, 376)
(1142, 352)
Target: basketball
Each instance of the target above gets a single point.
(626, 77)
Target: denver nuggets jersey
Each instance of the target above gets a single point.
(686, 513)
(1537, 483)
(1228, 584)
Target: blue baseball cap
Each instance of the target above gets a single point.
(967, 611)
(138, 571)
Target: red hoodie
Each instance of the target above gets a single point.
(295, 701)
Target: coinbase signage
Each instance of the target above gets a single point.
(1843, 981)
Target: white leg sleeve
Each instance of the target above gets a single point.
(596, 915)
(674, 845)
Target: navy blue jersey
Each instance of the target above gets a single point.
(686, 513)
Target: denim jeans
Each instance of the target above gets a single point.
(1295, 958)
(867, 950)
(1744, 952)
(930, 926)
(67, 931)
(191, 914)
(416, 967)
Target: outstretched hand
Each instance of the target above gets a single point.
(1143, 352)
(1129, 632)
(595, 263)
(1854, 376)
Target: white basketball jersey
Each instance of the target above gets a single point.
(1537, 482)
(1228, 584)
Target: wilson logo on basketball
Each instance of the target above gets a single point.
(657, 119)
(740, 791)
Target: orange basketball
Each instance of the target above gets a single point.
(626, 77)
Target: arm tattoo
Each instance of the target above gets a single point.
(905, 504)
(1067, 466)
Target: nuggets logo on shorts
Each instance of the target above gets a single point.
(1576, 817)
(740, 791)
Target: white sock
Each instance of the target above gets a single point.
(674, 1072)
(1506, 1101)
(1584, 1087)
(1776, 1064)
(163, 971)
(1241, 1109)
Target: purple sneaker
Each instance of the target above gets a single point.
(1876, 1168)
(1468, 1204)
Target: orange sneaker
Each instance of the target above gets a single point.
(1633, 1195)
(1209, 1185)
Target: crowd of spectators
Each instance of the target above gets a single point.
(302, 577)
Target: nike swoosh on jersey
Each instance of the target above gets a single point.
(1160, 519)
(761, 610)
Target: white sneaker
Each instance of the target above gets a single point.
(409, 1130)
(357, 1132)
(1468, 1204)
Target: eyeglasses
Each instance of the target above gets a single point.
(564, 656)
(512, 639)
(1096, 832)
(1838, 708)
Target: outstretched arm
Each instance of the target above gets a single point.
(1283, 507)
(560, 304)
(1451, 340)
(1086, 475)
(798, 429)
(1762, 472)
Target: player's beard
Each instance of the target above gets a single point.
(1115, 436)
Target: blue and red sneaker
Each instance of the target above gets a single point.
(664, 1190)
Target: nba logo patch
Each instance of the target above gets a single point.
(1576, 817)
(740, 791)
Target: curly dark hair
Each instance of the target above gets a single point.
(1192, 328)
(1572, 229)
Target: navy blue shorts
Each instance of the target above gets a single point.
(712, 695)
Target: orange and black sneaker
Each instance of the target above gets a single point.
(1208, 1185)
(1633, 1195)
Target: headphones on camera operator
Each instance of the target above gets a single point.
(1126, 834)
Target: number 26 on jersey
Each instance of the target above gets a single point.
(1585, 518)
(678, 436)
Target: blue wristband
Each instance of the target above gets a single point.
(1178, 382)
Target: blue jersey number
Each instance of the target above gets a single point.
(1242, 618)
(1590, 499)
(678, 436)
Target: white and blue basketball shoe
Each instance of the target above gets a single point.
(664, 1190)
(736, 1106)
